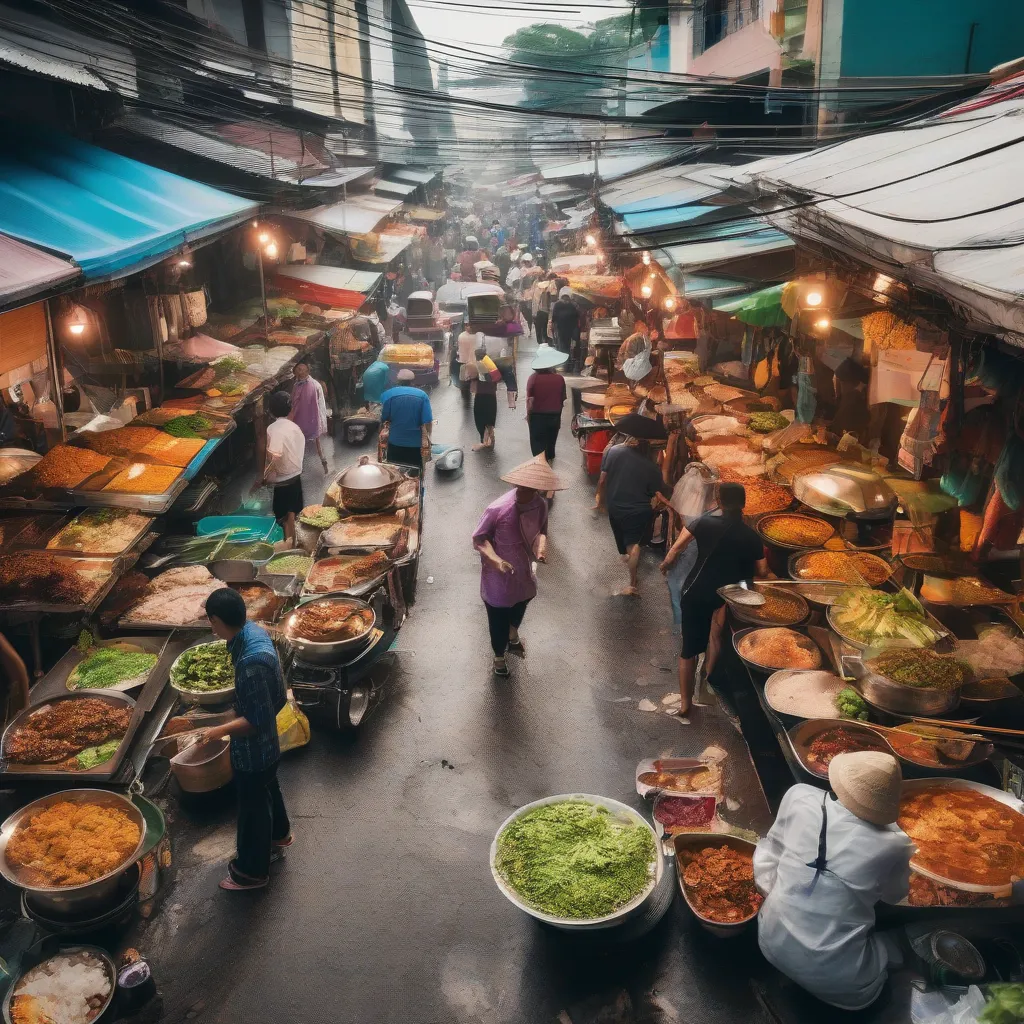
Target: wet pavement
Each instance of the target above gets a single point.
(385, 910)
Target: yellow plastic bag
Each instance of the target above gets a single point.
(292, 727)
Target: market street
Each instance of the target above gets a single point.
(384, 909)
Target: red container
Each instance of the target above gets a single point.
(593, 445)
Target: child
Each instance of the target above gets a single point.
(286, 446)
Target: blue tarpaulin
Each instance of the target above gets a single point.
(112, 215)
(670, 216)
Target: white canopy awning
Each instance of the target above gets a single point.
(26, 271)
(358, 215)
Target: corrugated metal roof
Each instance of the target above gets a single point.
(697, 286)
(47, 48)
(421, 177)
(611, 167)
(342, 278)
(670, 216)
(26, 271)
(112, 215)
(394, 188)
(339, 176)
(358, 215)
(745, 238)
(388, 247)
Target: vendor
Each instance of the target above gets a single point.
(406, 412)
(825, 863)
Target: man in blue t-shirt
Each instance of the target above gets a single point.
(406, 410)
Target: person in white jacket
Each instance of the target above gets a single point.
(825, 863)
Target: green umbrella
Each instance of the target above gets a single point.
(761, 308)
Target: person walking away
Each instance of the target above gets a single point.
(508, 326)
(628, 482)
(503, 261)
(409, 418)
(545, 396)
(728, 551)
(511, 535)
(309, 408)
(263, 826)
(825, 863)
(466, 346)
(286, 447)
(542, 300)
(565, 322)
(485, 403)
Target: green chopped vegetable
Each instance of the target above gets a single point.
(290, 565)
(93, 756)
(868, 616)
(850, 704)
(322, 518)
(204, 668)
(108, 666)
(188, 426)
(767, 422)
(1005, 1005)
(575, 860)
(86, 642)
(227, 366)
(920, 668)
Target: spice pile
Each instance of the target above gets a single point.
(47, 579)
(331, 575)
(319, 516)
(796, 531)
(72, 843)
(204, 669)
(65, 466)
(853, 567)
(188, 426)
(176, 597)
(330, 621)
(720, 885)
(122, 441)
(762, 495)
(778, 647)
(290, 565)
(780, 608)
(574, 860)
(919, 667)
(139, 478)
(804, 694)
(105, 667)
(69, 988)
(767, 422)
(60, 731)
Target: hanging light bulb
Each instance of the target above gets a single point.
(271, 251)
(77, 329)
(883, 282)
(823, 324)
(591, 241)
(77, 326)
(670, 303)
(184, 264)
(653, 276)
(647, 259)
(646, 291)
(264, 238)
(814, 298)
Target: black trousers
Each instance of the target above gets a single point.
(500, 620)
(262, 818)
(405, 456)
(544, 428)
(540, 319)
(485, 412)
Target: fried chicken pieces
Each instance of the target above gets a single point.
(64, 729)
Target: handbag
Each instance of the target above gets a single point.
(487, 368)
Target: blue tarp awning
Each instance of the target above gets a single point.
(669, 216)
(112, 215)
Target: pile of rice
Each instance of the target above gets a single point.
(66, 989)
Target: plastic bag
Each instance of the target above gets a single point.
(292, 727)
(694, 492)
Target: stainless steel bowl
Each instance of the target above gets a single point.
(569, 924)
(688, 843)
(70, 899)
(804, 733)
(898, 698)
(738, 636)
(94, 951)
(333, 651)
(369, 486)
(113, 697)
(194, 696)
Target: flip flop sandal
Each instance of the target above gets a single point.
(230, 885)
(517, 648)
(282, 844)
(501, 669)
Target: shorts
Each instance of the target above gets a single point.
(635, 528)
(288, 498)
(696, 625)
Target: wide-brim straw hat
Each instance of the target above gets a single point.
(536, 474)
(547, 357)
(868, 783)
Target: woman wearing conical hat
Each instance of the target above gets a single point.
(511, 535)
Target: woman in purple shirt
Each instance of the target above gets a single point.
(511, 534)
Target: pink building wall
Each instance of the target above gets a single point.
(745, 52)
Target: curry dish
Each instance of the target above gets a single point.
(964, 835)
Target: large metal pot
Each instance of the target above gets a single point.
(897, 698)
(330, 652)
(203, 767)
(70, 899)
(94, 951)
(631, 910)
(369, 486)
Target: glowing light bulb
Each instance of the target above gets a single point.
(883, 282)
(264, 238)
(647, 259)
(814, 299)
(670, 303)
(591, 241)
(646, 291)
(653, 276)
(823, 324)
(184, 264)
(271, 251)
(77, 328)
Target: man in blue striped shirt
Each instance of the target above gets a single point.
(263, 826)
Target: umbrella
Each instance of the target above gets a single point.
(642, 427)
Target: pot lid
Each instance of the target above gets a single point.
(845, 489)
(367, 477)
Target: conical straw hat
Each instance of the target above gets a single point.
(868, 783)
(536, 474)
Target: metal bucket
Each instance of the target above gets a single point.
(203, 767)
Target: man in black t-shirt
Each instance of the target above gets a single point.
(728, 551)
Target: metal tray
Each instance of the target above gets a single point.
(827, 663)
(54, 772)
(801, 735)
(686, 842)
(747, 613)
(914, 785)
(54, 683)
(796, 556)
(860, 645)
(142, 532)
(114, 567)
(207, 697)
(896, 698)
(359, 589)
(762, 520)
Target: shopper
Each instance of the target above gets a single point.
(545, 396)
(511, 534)
(825, 863)
(286, 447)
(628, 482)
(465, 346)
(565, 322)
(259, 695)
(309, 408)
(543, 297)
(485, 403)
(406, 412)
(728, 551)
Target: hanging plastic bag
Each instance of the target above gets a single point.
(292, 727)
